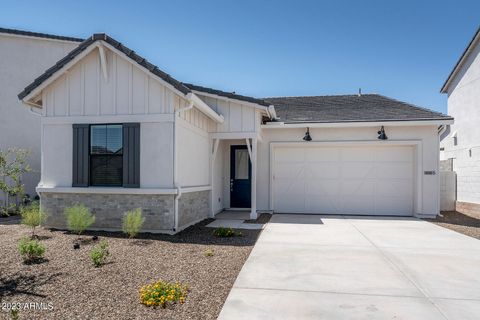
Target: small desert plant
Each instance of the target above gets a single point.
(99, 253)
(32, 216)
(162, 293)
(224, 232)
(31, 250)
(79, 218)
(132, 222)
(209, 253)
(14, 314)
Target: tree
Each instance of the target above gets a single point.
(13, 165)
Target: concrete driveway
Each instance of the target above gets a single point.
(317, 267)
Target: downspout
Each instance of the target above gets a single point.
(176, 184)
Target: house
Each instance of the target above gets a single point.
(118, 133)
(24, 55)
(461, 144)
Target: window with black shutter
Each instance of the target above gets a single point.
(106, 155)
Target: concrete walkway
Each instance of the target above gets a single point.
(313, 267)
(234, 220)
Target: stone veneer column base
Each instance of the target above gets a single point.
(192, 208)
(109, 209)
(468, 208)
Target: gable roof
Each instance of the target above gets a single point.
(117, 45)
(349, 108)
(38, 35)
(231, 95)
(460, 61)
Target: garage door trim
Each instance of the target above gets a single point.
(417, 149)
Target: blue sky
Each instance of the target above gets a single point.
(402, 49)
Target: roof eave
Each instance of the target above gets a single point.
(84, 48)
(349, 123)
(460, 61)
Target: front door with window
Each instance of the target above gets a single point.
(240, 177)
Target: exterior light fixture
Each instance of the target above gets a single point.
(381, 134)
(307, 135)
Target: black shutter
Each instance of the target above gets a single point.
(131, 155)
(80, 155)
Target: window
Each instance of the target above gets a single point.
(106, 155)
(241, 164)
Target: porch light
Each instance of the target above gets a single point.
(307, 135)
(381, 134)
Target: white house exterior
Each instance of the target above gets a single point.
(462, 143)
(23, 56)
(118, 133)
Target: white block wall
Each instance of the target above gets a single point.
(447, 190)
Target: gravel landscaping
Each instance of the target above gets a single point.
(68, 280)
(468, 225)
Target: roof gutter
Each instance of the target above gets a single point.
(405, 123)
(205, 108)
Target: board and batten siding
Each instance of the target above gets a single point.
(83, 95)
(127, 90)
(238, 117)
(195, 117)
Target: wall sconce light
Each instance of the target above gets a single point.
(381, 134)
(307, 135)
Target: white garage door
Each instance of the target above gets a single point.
(366, 180)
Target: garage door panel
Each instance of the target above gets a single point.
(358, 205)
(356, 154)
(329, 187)
(394, 188)
(356, 187)
(287, 155)
(322, 154)
(397, 153)
(394, 170)
(290, 170)
(369, 180)
(323, 204)
(323, 170)
(394, 206)
(289, 186)
(358, 170)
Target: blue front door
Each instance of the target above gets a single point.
(240, 177)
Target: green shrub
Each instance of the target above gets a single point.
(224, 232)
(79, 218)
(31, 250)
(132, 222)
(32, 216)
(162, 293)
(99, 253)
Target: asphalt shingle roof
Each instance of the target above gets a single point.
(38, 35)
(349, 108)
(340, 108)
(231, 95)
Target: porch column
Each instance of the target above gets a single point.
(215, 143)
(253, 213)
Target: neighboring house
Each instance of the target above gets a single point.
(461, 144)
(23, 56)
(118, 133)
